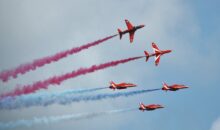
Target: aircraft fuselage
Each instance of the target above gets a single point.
(133, 29)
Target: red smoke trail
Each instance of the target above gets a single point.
(58, 79)
(24, 68)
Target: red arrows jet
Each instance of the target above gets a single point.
(173, 87)
(157, 53)
(149, 107)
(121, 85)
(131, 30)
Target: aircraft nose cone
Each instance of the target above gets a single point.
(169, 51)
(160, 106)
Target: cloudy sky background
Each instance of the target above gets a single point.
(34, 29)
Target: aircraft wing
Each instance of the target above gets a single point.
(129, 25)
(155, 48)
(131, 36)
(157, 59)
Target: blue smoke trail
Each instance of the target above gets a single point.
(61, 98)
(46, 95)
(54, 119)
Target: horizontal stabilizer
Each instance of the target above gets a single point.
(147, 55)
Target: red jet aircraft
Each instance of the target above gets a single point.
(173, 87)
(131, 30)
(149, 107)
(157, 53)
(121, 85)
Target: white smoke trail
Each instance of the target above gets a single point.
(54, 119)
(63, 98)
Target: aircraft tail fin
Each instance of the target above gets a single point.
(141, 106)
(141, 103)
(147, 55)
(112, 84)
(165, 86)
(120, 33)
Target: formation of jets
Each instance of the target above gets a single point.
(157, 53)
(149, 107)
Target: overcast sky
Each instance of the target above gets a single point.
(34, 29)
